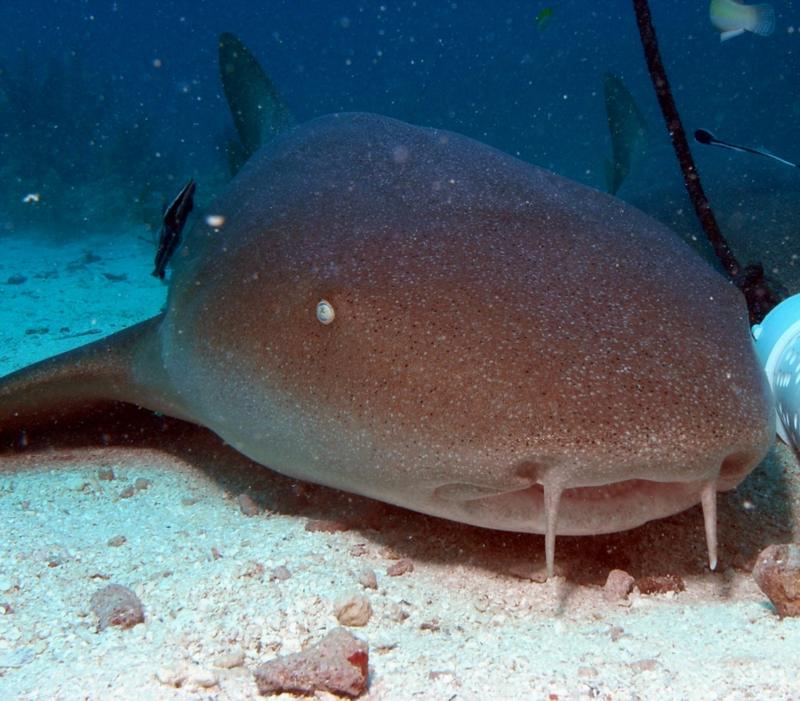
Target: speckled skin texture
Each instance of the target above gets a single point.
(496, 327)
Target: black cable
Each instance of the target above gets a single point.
(760, 297)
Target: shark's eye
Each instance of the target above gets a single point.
(325, 312)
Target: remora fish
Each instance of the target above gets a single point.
(704, 136)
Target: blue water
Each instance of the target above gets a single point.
(485, 69)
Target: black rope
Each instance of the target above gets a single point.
(750, 280)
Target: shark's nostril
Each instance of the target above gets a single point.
(530, 470)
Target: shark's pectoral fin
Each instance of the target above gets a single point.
(104, 371)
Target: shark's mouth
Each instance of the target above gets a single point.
(588, 510)
(606, 508)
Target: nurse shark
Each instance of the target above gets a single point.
(411, 315)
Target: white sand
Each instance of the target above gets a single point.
(473, 629)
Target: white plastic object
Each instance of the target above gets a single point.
(777, 341)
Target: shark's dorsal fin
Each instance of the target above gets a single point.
(259, 113)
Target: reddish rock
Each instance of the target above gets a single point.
(338, 664)
(777, 573)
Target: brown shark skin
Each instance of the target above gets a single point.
(496, 328)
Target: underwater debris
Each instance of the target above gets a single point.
(231, 659)
(115, 277)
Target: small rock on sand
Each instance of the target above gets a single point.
(400, 567)
(367, 579)
(355, 611)
(338, 664)
(280, 573)
(247, 505)
(618, 585)
(105, 474)
(115, 605)
(777, 573)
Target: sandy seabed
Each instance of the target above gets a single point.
(468, 622)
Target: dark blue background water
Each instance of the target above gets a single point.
(482, 68)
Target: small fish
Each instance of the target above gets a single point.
(703, 136)
(173, 222)
(543, 17)
(733, 17)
